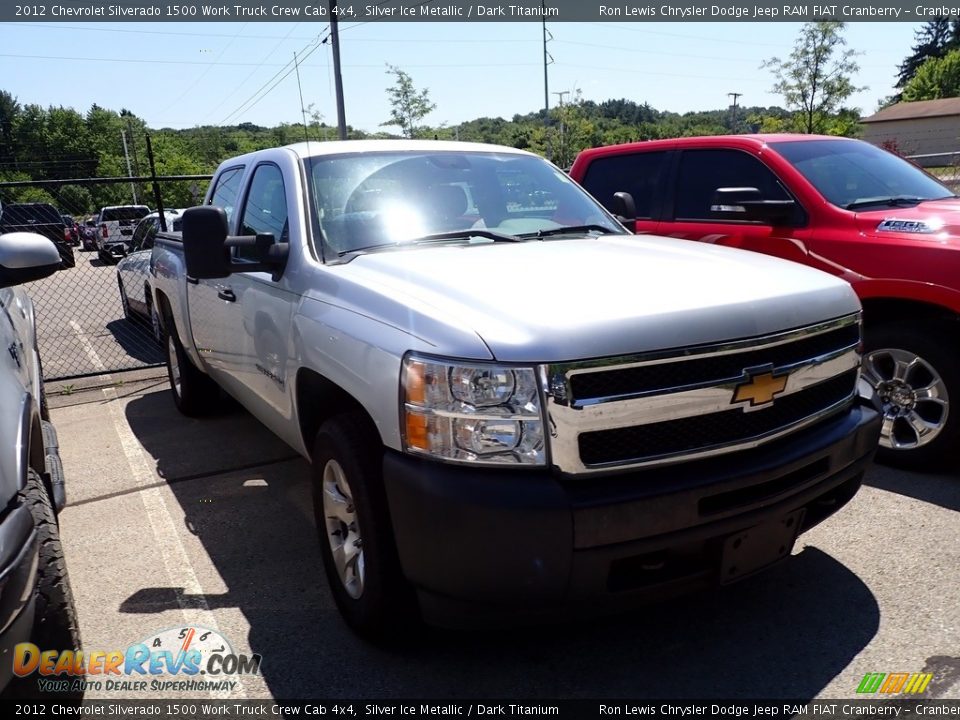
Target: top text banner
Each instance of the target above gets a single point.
(467, 11)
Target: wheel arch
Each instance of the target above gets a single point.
(318, 399)
(881, 309)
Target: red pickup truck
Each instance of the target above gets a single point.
(840, 205)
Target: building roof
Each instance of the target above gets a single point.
(914, 110)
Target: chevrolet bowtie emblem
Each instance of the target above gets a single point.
(759, 389)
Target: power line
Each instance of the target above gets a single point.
(261, 36)
(202, 75)
(262, 63)
(250, 102)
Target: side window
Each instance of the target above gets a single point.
(149, 236)
(639, 174)
(225, 192)
(136, 243)
(265, 209)
(703, 171)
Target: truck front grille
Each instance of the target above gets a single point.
(711, 370)
(619, 413)
(701, 432)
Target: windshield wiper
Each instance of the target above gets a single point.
(436, 237)
(894, 201)
(570, 229)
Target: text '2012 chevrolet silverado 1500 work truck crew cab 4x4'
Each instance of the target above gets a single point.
(839, 205)
(512, 406)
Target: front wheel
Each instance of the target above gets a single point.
(915, 376)
(55, 624)
(356, 535)
(194, 393)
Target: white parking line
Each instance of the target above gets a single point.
(88, 347)
(166, 538)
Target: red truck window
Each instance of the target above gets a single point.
(703, 171)
(638, 174)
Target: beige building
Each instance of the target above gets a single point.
(929, 129)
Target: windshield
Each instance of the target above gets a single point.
(854, 173)
(368, 200)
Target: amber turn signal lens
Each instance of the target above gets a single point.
(417, 427)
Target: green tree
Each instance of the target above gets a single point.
(937, 78)
(934, 40)
(815, 79)
(408, 106)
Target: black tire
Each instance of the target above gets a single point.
(386, 608)
(154, 319)
(196, 394)
(935, 344)
(124, 302)
(55, 620)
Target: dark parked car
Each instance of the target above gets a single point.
(36, 604)
(73, 228)
(42, 219)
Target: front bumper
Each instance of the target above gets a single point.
(18, 576)
(487, 544)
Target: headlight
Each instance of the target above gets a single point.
(472, 413)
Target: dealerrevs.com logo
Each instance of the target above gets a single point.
(894, 683)
(177, 659)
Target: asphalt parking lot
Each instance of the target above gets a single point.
(209, 522)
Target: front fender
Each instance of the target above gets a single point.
(922, 292)
(19, 414)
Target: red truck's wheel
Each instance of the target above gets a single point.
(356, 535)
(916, 377)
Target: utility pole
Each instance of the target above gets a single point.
(547, 59)
(733, 120)
(126, 154)
(562, 154)
(337, 77)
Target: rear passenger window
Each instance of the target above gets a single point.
(225, 192)
(702, 172)
(638, 174)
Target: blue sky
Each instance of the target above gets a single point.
(188, 74)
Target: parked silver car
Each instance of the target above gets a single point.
(133, 272)
(36, 603)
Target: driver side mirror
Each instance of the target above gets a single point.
(746, 203)
(625, 210)
(26, 256)
(206, 246)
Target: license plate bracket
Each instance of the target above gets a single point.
(756, 548)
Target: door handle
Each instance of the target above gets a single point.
(227, 294)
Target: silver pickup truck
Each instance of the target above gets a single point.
(513, 408)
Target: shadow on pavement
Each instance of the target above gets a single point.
(941, 489)
(136, 339)
(784, 634)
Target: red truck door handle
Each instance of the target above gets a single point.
(227, 294)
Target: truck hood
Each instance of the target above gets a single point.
(934, 219)
(561, 300)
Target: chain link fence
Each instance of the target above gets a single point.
(93, 315)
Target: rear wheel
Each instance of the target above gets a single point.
(356, 535)
(194, 393)
(915, 375)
